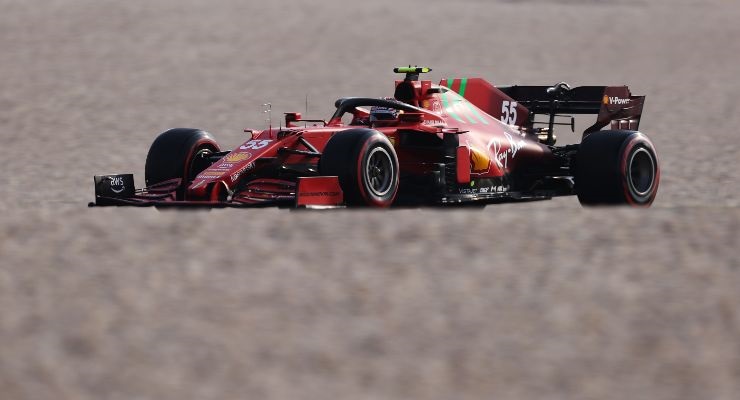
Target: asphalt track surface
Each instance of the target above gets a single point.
(541, 300)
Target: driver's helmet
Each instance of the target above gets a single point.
(378, 113)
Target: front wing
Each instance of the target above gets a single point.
(118, 190)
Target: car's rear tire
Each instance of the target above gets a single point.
(179, 153)
(366, 164)
(616, 167)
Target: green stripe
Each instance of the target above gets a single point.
(463, 85)
(462, 100)
(467, 115)
(446, 102)
(477, 113)
(448, 109)
(473, 110)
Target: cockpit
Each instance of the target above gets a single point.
(409, 105)
(375, 112)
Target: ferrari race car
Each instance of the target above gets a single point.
(460, 141)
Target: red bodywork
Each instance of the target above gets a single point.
(469, 139)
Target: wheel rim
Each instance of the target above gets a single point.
(379, 172)
(641, 171)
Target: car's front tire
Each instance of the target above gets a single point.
(179, 153)
(616, 167)
(366, 164)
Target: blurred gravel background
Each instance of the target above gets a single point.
(536, 300)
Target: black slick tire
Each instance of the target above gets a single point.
(179, 153)
(615, 168)
(366, 164)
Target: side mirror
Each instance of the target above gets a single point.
(292, 117)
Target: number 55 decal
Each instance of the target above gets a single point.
(508, 112)
(254, 144)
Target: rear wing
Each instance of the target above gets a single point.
(614, 105)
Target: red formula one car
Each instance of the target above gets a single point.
(460, 141)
